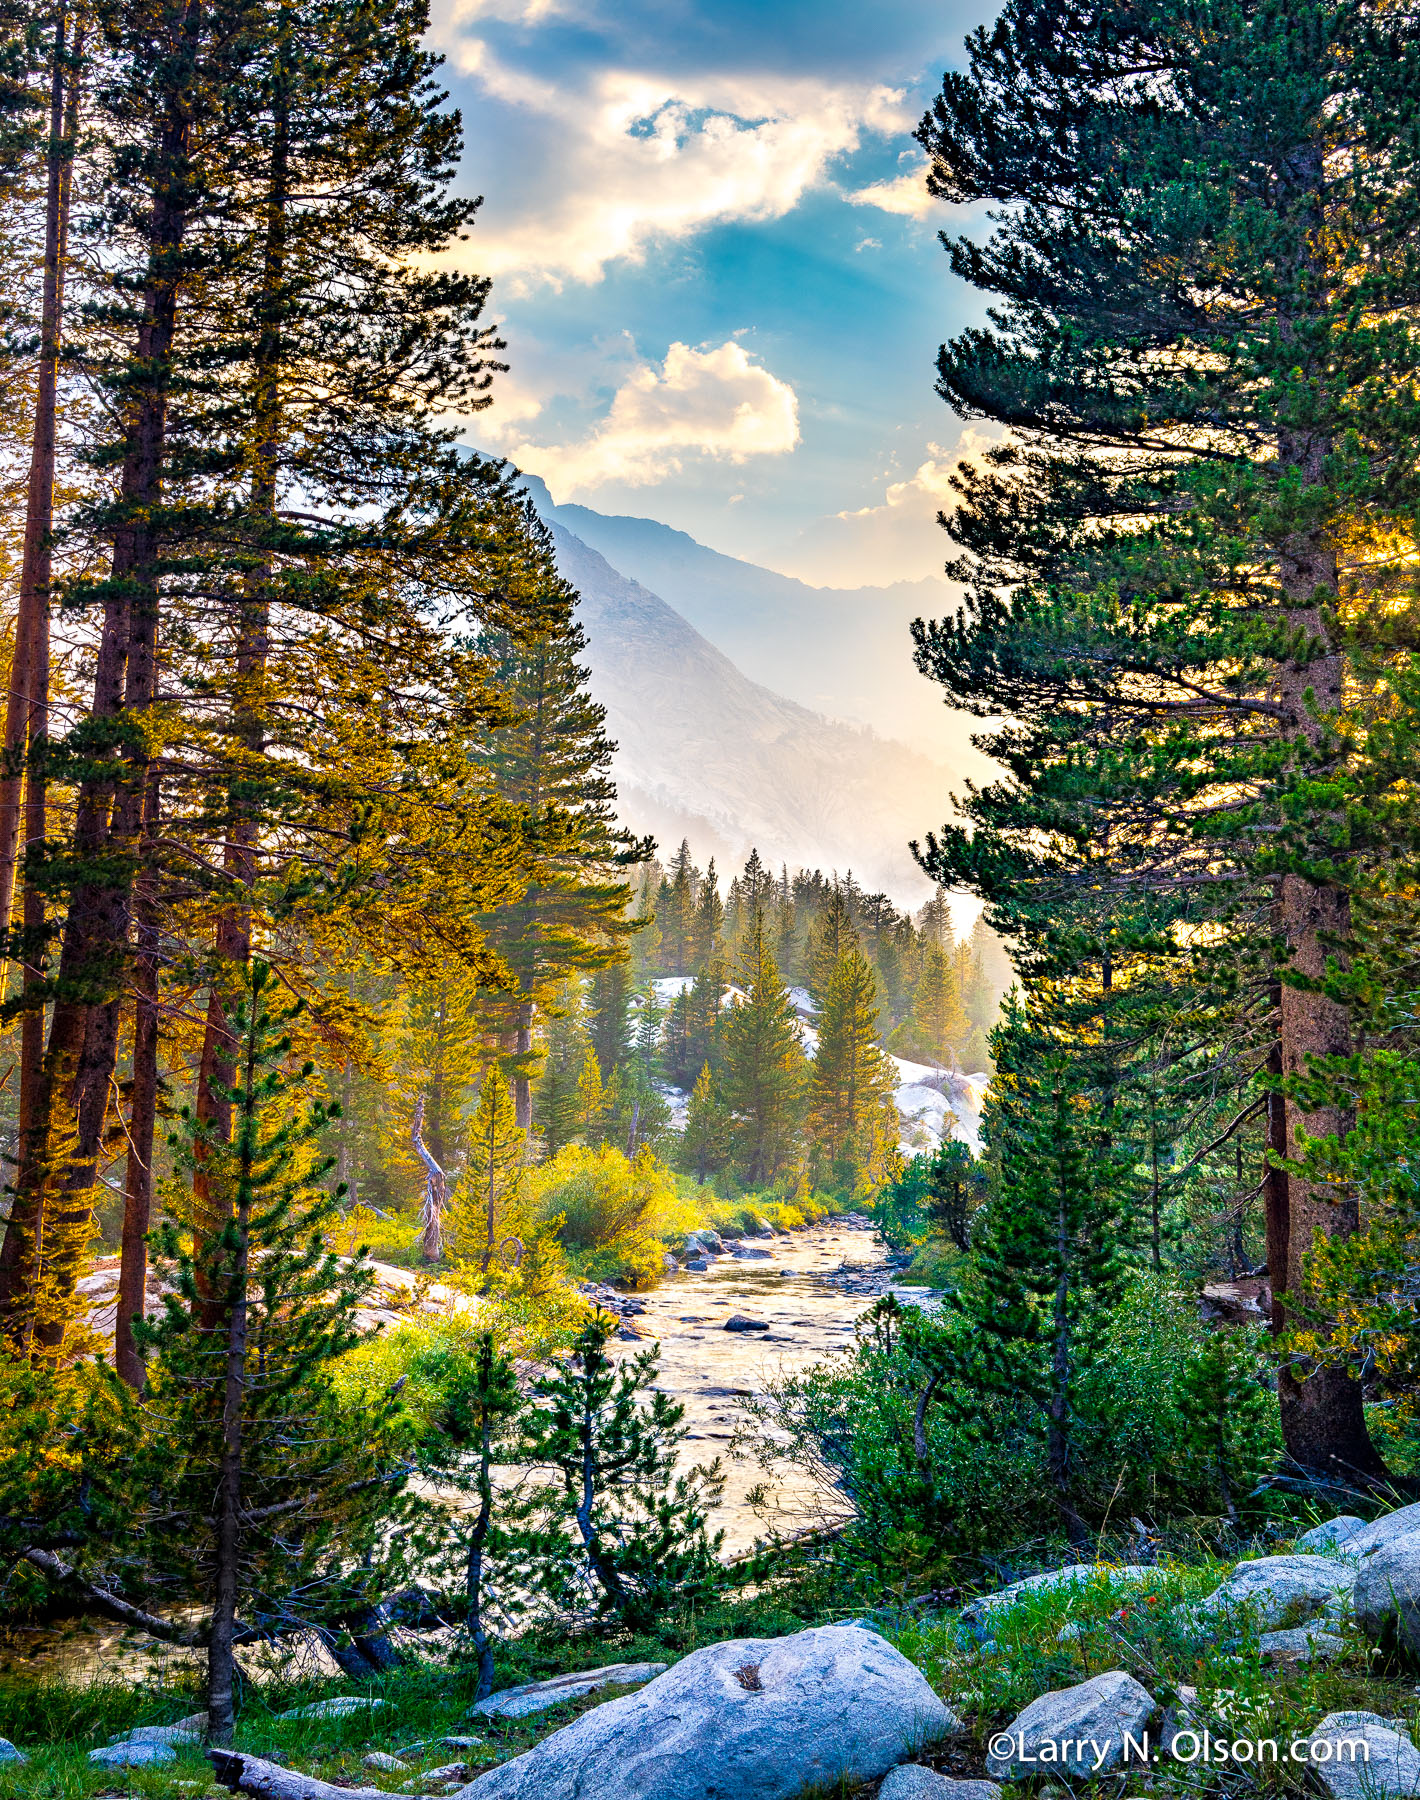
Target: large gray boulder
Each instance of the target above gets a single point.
(1101, 1724)
(978, 1616)
(537, 1696)
(910, 1781)
(1335, 1537)
(1387, 1595)
(1273, 1588)
(752, 1719)
(1361, 1756)
(1385, 1530)
(704, 1242)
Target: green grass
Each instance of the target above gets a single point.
(1119, 1627)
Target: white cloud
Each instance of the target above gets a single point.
(898, 539)
(715, 402)
(607, 164)
(905, 194)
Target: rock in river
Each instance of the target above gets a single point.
(767, 1717)
(739, 1322)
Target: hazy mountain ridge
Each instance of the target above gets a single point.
(846, 653)
(706, 753)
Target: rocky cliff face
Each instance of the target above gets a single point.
(706, 753)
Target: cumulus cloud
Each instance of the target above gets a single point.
(905, 194)
(615, 161)
(717, 403)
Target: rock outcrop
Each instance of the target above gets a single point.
(768, 1717)
(1089, 1729)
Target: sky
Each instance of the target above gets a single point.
(716, 265)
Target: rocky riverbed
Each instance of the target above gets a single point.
(805, 1289)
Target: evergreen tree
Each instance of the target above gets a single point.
(829, 937)
(939, 1030)
(765, 1073)
(487, 1208)
(1212, 421)
(552, 762)
(593, 1104)
(852, 1117)
(470, 1435)
(705, 1143)
(709, 922)
(609, 1016)
(565, 1050)
(618, 1521)
(249, 1484)
(1046, 1268)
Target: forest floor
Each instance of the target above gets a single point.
(1106, 1626)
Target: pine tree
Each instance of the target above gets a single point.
(592, 1101)
(609, 1016)
(552, 761)
(831, 934)
(250, 1485)
(487, 1209)
(1211, 451)
(939, 1030)
(618, 1521)
(852, 1117)
(1046, 1268)
(765, 1072)
(565, 1050)
(472, 1434)
(705, 1144)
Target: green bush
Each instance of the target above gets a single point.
(614, 1213)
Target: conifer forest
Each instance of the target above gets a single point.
(523, 1275)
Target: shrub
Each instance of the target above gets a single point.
(614, 1212)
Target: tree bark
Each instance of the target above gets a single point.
(233, 938)
(35, 567)
(27, 708)
(55, 1191)
(244, 1774)
(436, 1191)
(221, 1647)
(143, 1111)
(1323, 1422)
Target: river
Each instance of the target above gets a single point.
(807, 1287)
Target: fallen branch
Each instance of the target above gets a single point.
(245, 1774)
(109, 1605)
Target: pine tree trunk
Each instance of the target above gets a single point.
(1323, 1423)
(27, 709)
(477, 1542)
(221, 1650)
(35, 567)
(72, 1093)
(1057, 1437)
(522, 1081)
(143, 1109)
(232, 940)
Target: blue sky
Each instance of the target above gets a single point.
(716, 267)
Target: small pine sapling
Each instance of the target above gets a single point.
(469, 1435)
(251, 1483)
(1227, 1412)
(617, 1520)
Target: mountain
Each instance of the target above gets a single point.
(845, 653)
(706, 753)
